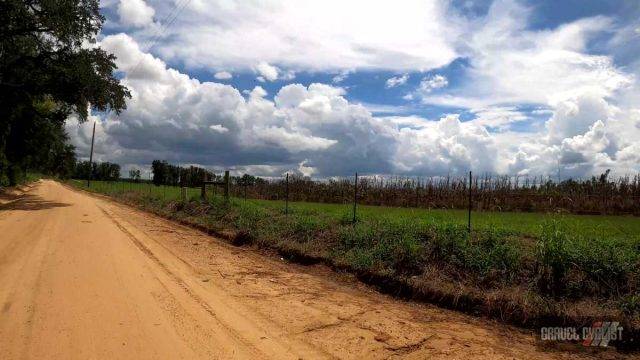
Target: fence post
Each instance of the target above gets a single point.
(226, 186)
(286, 195)
(203, 194)
(93, 135)
(355, 198)
(470, 201)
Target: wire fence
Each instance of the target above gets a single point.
(477, 193)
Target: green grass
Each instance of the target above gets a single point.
(620, 227)
(624, 228)
(21, 178)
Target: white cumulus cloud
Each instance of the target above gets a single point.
(267, 72)
(308, 35)
(534, 100)
(223, 75)
(396, 81)
(135, 13)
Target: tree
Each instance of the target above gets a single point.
(50, 68)
(167, 174)
(104, 171)
(159, 169)
(83, 170)
(246, 180)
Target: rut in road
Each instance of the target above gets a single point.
(84, 277)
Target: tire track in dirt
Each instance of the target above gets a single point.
(176, 279)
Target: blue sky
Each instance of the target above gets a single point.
(418, 87)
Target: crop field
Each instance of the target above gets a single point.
(524, 268)
(620, 227)
(623, 228)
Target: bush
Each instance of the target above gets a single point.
(584, 265)
(553, 257)
(305, 227)
(484, 251)
(382, 245)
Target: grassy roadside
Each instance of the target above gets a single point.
(9, 194)
(22, 180)
(553, 276)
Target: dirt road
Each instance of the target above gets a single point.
(82, 277)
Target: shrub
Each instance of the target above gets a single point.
(553, 257)
(483, 251)
(382, 245)
(305, 227)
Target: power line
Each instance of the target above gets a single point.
(168, 20)
(178, 6)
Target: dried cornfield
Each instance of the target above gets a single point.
(599, 195)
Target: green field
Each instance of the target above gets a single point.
(602, 226)
(621, 227)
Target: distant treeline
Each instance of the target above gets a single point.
(105, 171)
(193, 176)
(168, 174)
(598, 195)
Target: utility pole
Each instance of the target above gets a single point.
(93, 135)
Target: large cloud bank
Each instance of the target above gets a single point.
(583, 115)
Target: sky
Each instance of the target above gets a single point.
(411, 88)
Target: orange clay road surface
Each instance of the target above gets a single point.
(82, 277)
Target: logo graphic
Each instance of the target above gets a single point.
(600, 333)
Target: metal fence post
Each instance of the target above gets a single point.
(286, 195)
(355, 198)
(470, 202)
(226, 186)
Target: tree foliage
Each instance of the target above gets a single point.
(50, 68)
(104, 171)
(168, 174)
